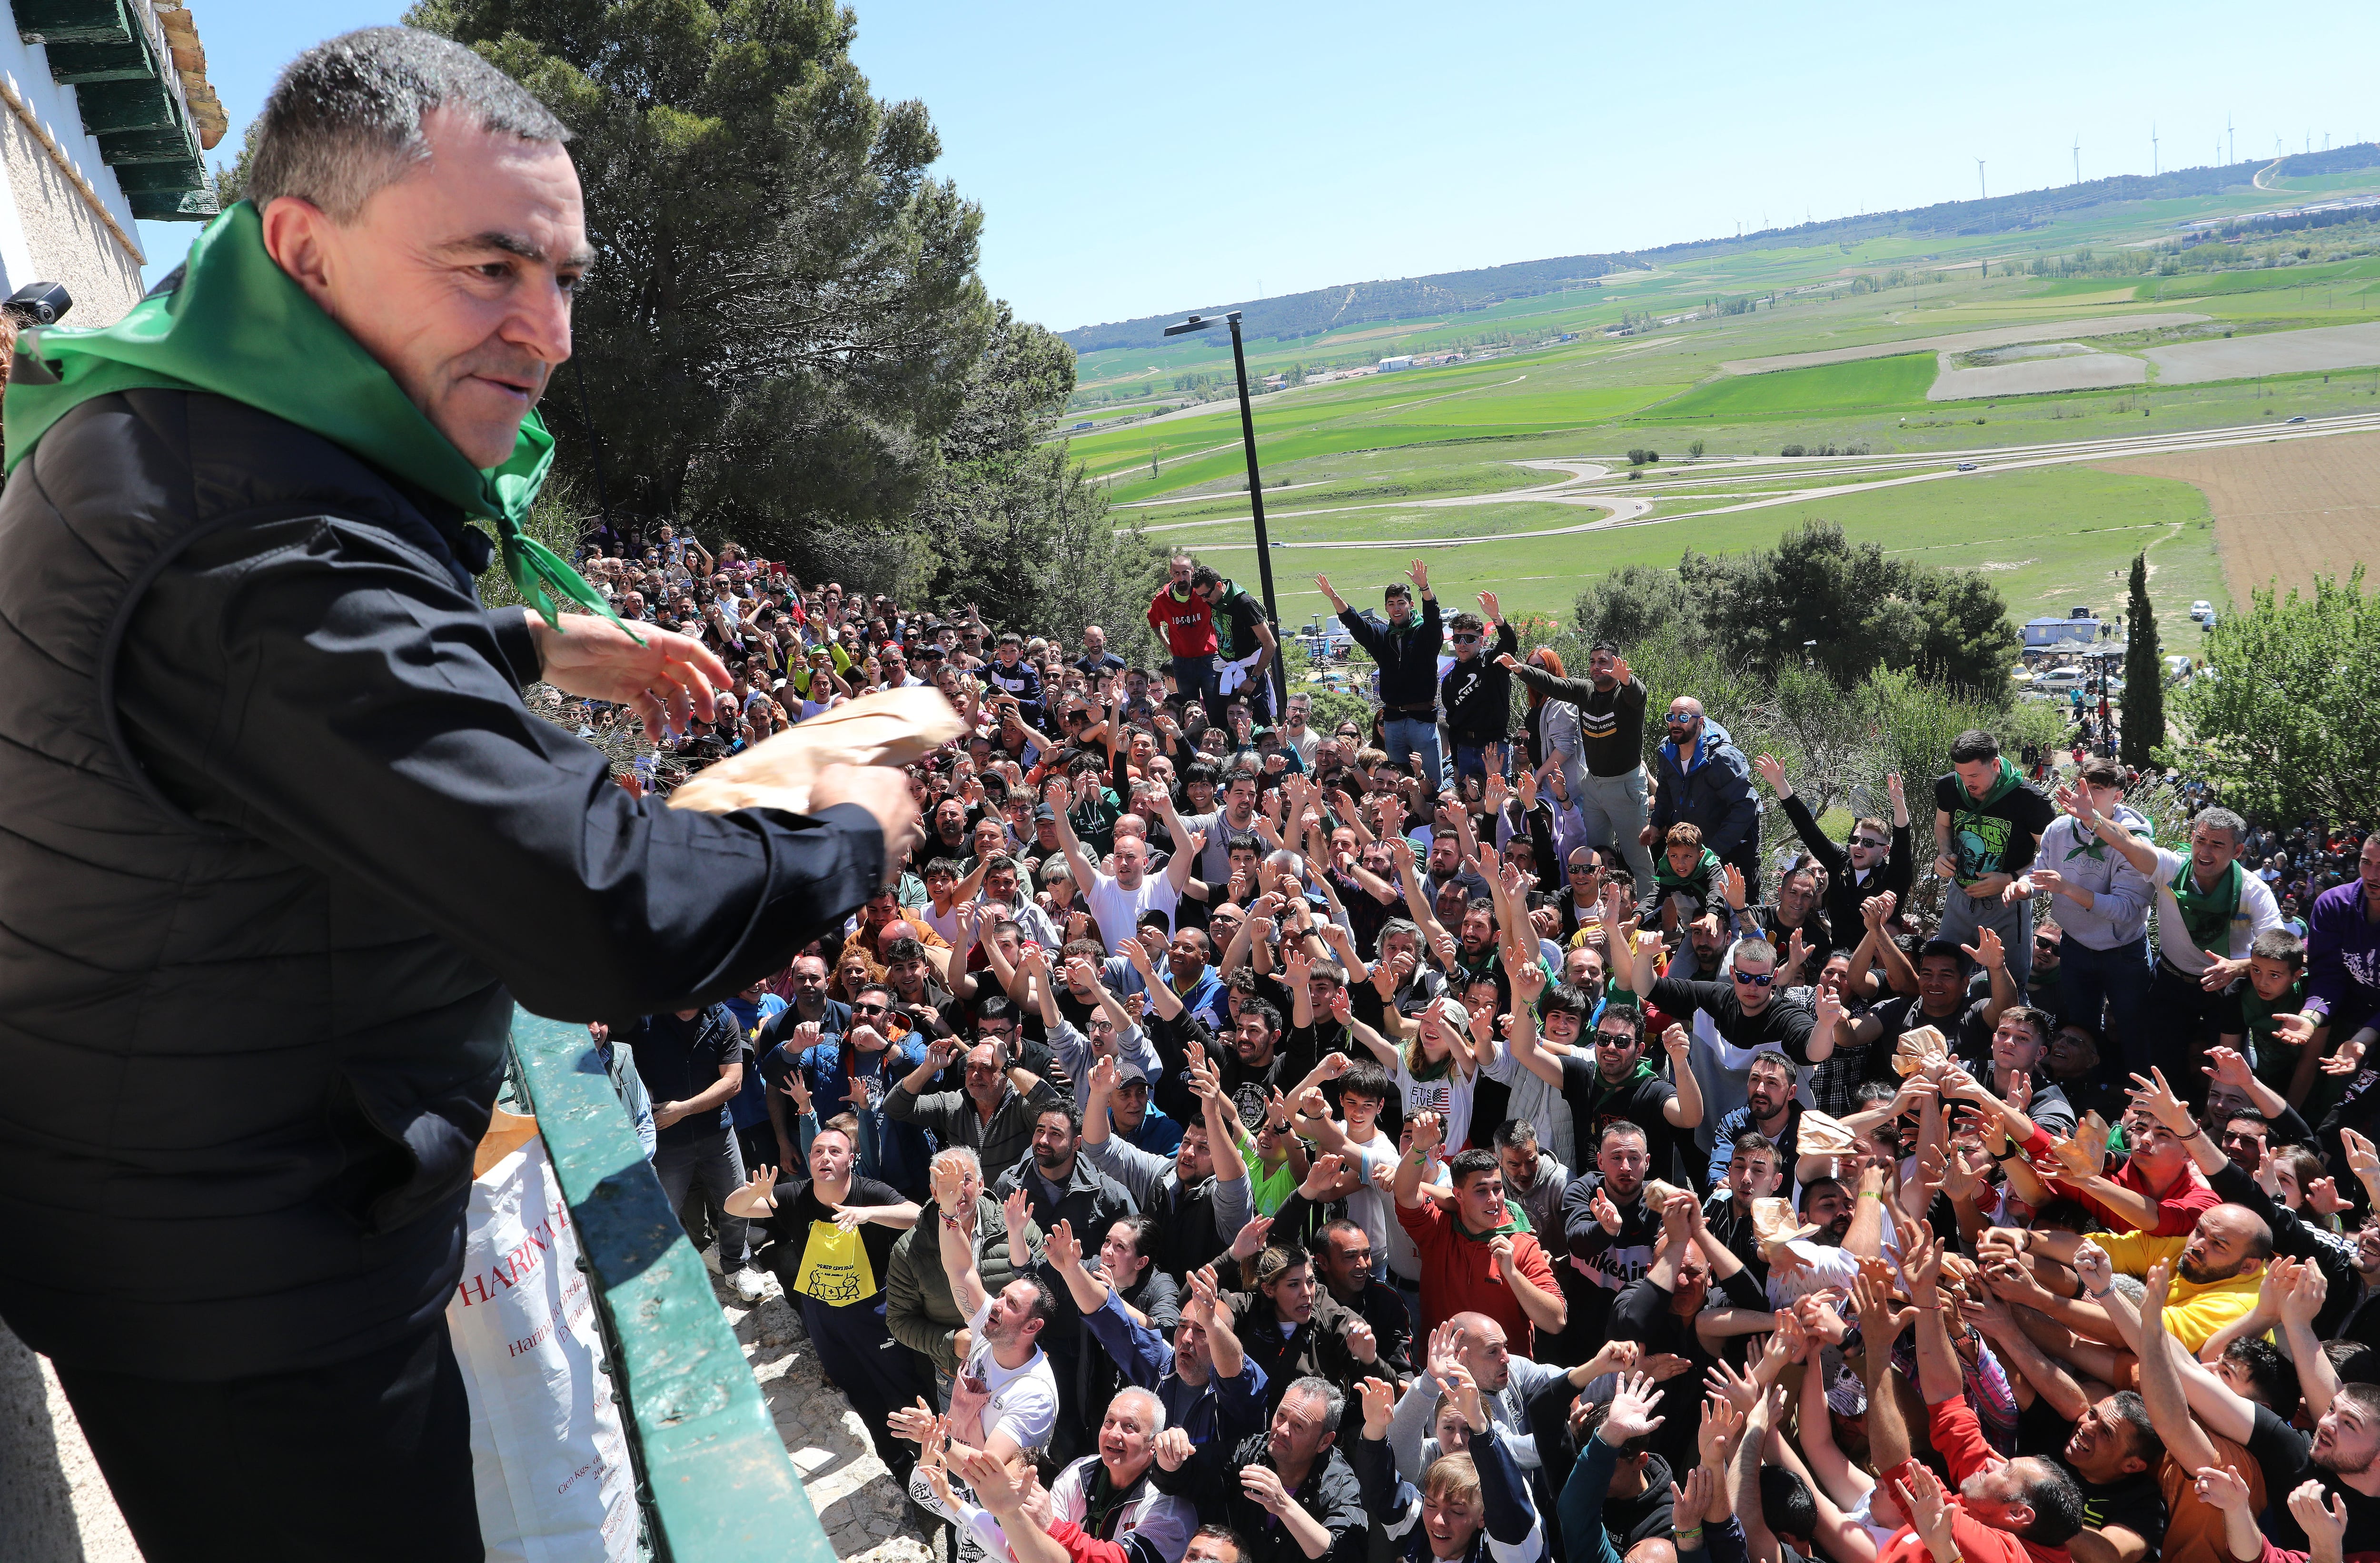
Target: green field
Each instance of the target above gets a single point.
(1862, 385)
(1364, 473)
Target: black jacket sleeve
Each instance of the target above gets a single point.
(325, 685)
(1806, 826)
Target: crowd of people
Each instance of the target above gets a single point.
(1447, 1136)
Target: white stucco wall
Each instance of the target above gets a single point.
(48, 231)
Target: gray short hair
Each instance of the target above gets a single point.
(1334, 1400)
(1156, 1406)
(345, 119)
(2222, 819)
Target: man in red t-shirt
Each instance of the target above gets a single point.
(1187, 623)
(2021, 1511)
(1474, 1259)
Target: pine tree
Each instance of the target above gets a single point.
(2144, 675)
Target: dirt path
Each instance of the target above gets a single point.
(1964, 341)
(2287, 511)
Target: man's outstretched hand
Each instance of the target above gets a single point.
(668, 679)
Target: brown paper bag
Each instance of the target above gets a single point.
(1918, 1048)
(884, 727)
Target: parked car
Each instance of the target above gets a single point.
(2201, 610)
(2299, 419)
(2060, 680)
(1966, 467)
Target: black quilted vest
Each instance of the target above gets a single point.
(238, 1094)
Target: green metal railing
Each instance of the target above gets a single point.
(713, 1477)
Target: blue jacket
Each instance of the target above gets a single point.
(1225, 1408)
(1716, 795)
(1512, 1533)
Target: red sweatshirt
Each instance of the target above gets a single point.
(1188, 626)
(1959, 1439)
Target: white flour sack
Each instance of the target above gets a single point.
(547, 1449)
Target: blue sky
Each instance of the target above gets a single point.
(1137, 160)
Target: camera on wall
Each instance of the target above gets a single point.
(40, 303)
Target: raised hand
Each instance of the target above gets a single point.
(1251, 1237)
(2323, 1523)
(1015, 1211)
(1690, 1503)
(1379, 1400)
(1463, 1391)
(1362, 1344)
(1986, 951)
(2347, 1060)
(1772, 771)
(2221, 1486)
(1605, 1213)
(1263, 1487)
(1174, 1449)
(2158, 1098)
(1722, 1425)
(1923, 1500)
(1065, 1250)
(1732, 881)
(2092, 1268)
(1631, 1415)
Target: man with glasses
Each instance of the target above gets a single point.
(1477, 693)
(1705, 782)
(1407, 650)
(1736, 1017)
(993, 1114)
(2209, 912)
(1987, 826)
(1875, 859)
(1185, 620)
(1580, 905)
(1616, 1083)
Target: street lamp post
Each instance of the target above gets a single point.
(1255, 490)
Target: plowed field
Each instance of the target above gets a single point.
(2287, 511)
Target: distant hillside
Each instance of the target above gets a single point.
(1330, 308)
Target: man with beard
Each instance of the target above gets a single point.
(1204, 1380)
(2159, 1190)
(1987, 825)
(1000, 1348)
(1617, 1083)
(1254, 1065)
(2209, 911)
(1344, 1258)
(2113, 1456)
(1058, 1184)
(1606, 781)
(2101, 946)
(1476, 690)
(993, 1114)
(1117, 901)
(1533, 1179)
(1706, 782)
(1287, 1490)
(2219, 1269)
(1768, 1108)
(1803, 1266)
(2191, 1402)
(831, 1067)
(1196, 1214)
(1407, 650)
(1235, 819)
(1475, 1257)
(1871, 861)
(1736, 1016)
(2021, 1510)
(835, 1277)
(1608, 1226)
(1754, 1171)
(1109, 1496)
(1939, 1001)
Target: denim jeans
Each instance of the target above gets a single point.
(1471, 760)
(712, 1159)
(2106, 988)
(1194, 678)
(1414, 735)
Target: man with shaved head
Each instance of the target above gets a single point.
(1702, 779)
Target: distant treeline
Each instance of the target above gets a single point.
(1329, 308)
(2258, 228)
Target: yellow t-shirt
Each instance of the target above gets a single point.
(2193, 1310)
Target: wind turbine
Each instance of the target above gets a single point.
(2153, 169)
(1980, 191)
(2230, 140)
(2078, 157)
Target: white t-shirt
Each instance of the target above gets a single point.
(1368, 1208)
(1118, 910)
(2255, 913)
(1449, 1095)
(1025, 1400)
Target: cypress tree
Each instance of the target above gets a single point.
(2144, 675)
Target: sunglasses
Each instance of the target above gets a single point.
(1680, 719)
(1463, 640)
(1871, 843)
(1589, 869)
(1757, 980)
(869, 1010)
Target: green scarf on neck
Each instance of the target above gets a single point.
(2207, 915)
(1972, 808)
(1699, 879)
(238, 326)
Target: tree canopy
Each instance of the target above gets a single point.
(2281, 718)
(1847, 609)
(2143, 673)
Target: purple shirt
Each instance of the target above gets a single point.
(2343, 959)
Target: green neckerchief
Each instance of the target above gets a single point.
(1644, 1070)
(1698, 879)
(2207, 915)
(237, 326)
(2256, 1011)
(1972, 809)
(1512, 1226)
